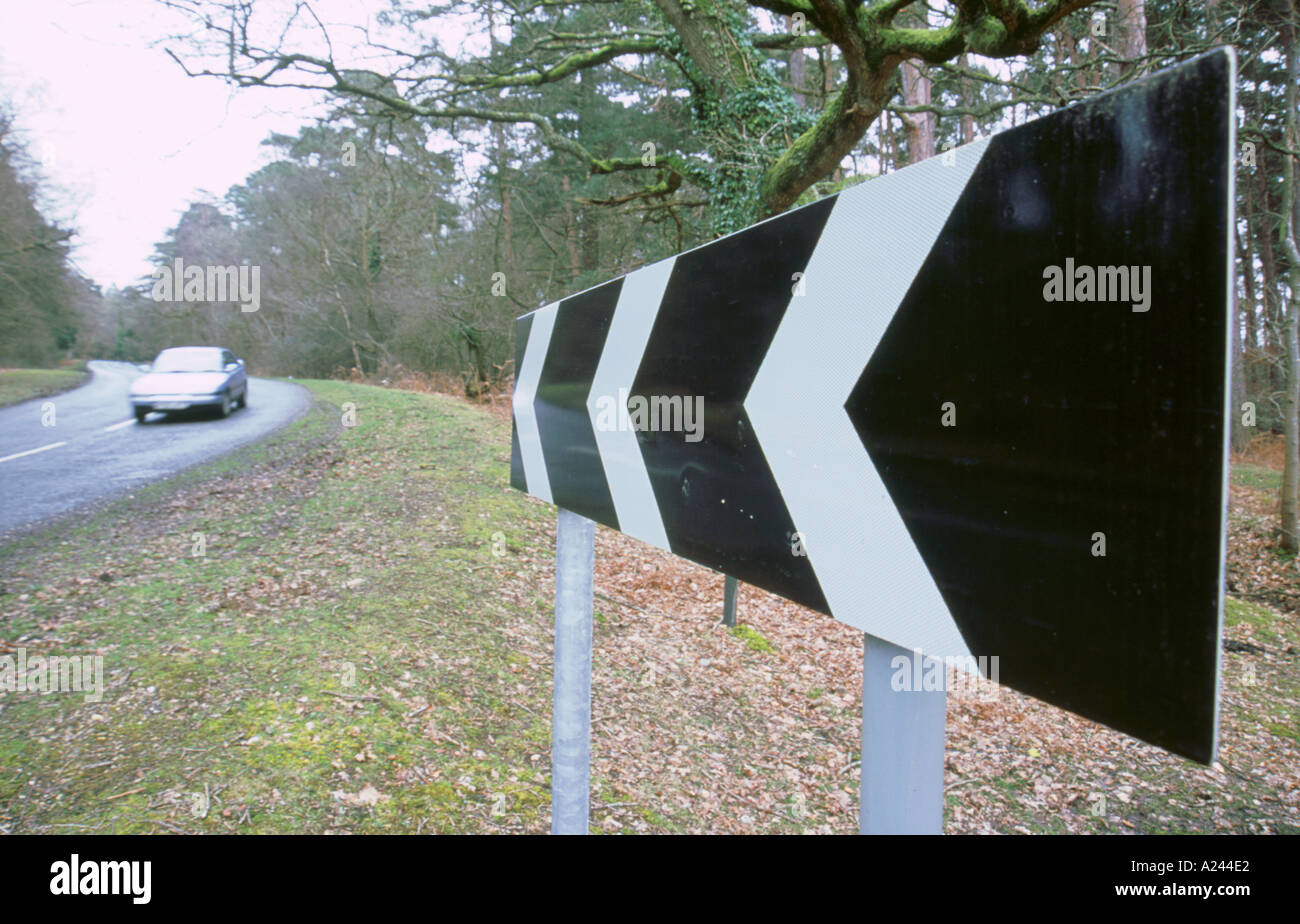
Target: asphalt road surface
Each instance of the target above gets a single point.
(96, 449)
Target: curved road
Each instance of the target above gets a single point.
(96, 449)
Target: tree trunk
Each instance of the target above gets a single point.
(589, 238)
(1079, 60)
(700, 25)
(571, 232)
(1131, 34)
(588, 223)
(1239, 434)
(886, 130)
(503, 193)
(500, 158)
(798, 69)
(1271, 349)
(1291, 321)
(477, 381)
(968, 100)
(1251, 349)
(1066, 42)
(920, 125)
(1291, 431)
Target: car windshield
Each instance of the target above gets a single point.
(190, 359)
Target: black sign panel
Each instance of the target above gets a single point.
(976, 408)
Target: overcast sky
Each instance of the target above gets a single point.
(126, 139)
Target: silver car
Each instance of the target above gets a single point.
(185, 377)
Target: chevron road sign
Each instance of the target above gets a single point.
(976, 407)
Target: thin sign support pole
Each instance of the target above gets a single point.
(575, 560)
(729, 601)
(902, 744)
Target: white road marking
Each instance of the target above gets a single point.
(119, 426)
(19, 455)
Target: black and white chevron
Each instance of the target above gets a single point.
(924, 291)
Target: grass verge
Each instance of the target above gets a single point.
(18, 385)
(300, 636)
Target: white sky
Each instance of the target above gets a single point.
(125, 138)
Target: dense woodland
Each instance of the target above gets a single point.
(504, 153)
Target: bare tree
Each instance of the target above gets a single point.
(760, 157)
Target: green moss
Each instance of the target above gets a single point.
(1257, 476)
(926, 43)
(753, 638)
(1263, 621)
(1284, 731)
(986, 35)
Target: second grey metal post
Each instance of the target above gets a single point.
(571, 717)
(729, 600)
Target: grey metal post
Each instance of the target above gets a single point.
(729, 601)
(575, 559)
(902, 746)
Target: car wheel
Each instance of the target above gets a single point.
(140, 414)
(243, 397)
(224, 408)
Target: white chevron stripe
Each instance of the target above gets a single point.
(530, 372)
(874, 242)
(625, 473)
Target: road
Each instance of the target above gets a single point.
(96, 450)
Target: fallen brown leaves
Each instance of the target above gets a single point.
(693, 731)
(1256, 569)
